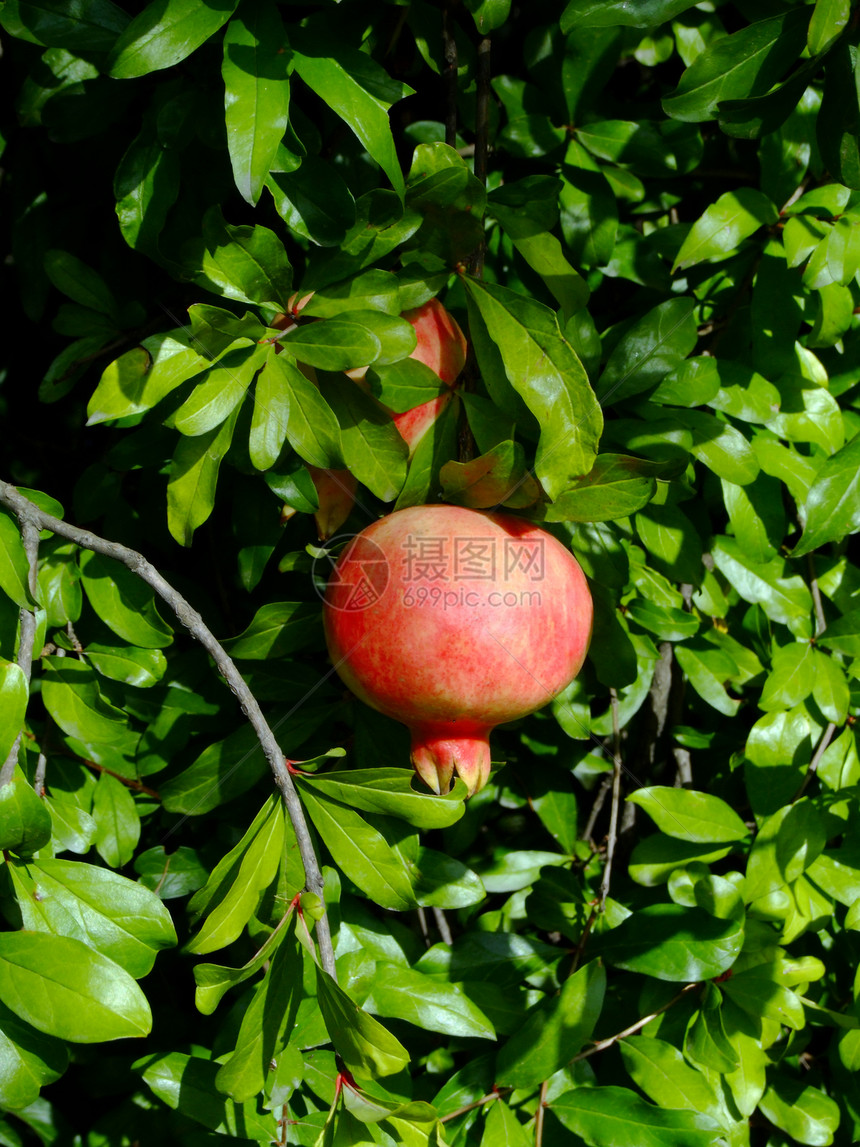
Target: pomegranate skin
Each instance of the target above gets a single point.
(454, 621)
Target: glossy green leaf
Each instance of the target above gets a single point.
(247, 263)
(839, 117)
(791, 678)
(107, 912)
(554, 1031)
(617, 1115)
(165, 33)
(544, 369)
(366, 1047)
(123, 602)
(66, 989)
(697, 817)
(673, 943)
(277, 629)
(231, 893)
(806, 1114)
(649, 350)
(142, 668)
(117, 821)
(25, 822)
(92, 28)
(188, 1082)
(733, 217)
(358, 90)
(406, 994)
(146, 186)
(257, 94)
(219, 393)
(71, 695)
(139, 379)
(221, 772)
(372, 448)
(362, 851)
(194, 477)
(499, 476)
(744, 64)
(14, 692)
(389, 792)
(13, 563)
(661, 1071)
(832, 508)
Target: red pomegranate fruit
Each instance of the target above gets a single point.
(454, 621)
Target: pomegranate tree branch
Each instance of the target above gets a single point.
(449, 74)
(30, 536)
(31, 518)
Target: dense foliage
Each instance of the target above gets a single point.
(644, 215)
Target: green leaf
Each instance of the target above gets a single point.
(170, 874)
(372, 447)
(406, 994)
(611, 13)
(187, 1083)
(165, 33)
(142, 668)
(357, 89)
(140, 378)
(244, 263)
(832, 508)
(314, 202)
(90, 28)
(107, 912)
(805, 1114)
(123, 602)
(29, 1060)
(333, 344)
(257, 96)
(25, 822)
(213, 981)
(194, 476)
(554, 1031)
(389, 792)
(649, 147)
(616, 486)
(498, 476)
(269, 1019)
(759, 993)
(693, 816)
(791, 677)
(733, 217)
(365, 1046)
(146, 185)
(616, 1115)
(14, 692)
(14, 568)
(543, 368)
(670, 942)
(744, 64)
(362, 851)
(645, 353)
(220, 392)
(117, 822)
(221, 772)
(784, 599)
(829, 17)
(232, 891)
(277, 629)
(71, 695)
(664, 1075)
(705, 1041)
(839, 116)
(312, 429)
(271, 415)
(80, 282)
(64, 988)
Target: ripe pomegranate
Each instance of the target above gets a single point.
(454, 621)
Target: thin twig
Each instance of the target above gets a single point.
(616, 799)
(27, 638)
(442, 925)
(422, 924)
(39, 778)
(603, 1044)
(599, 801)
(30, 514)
(820, 750)
(488, 1098)
(820, 619)
(540, 1113)
(482, 139)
